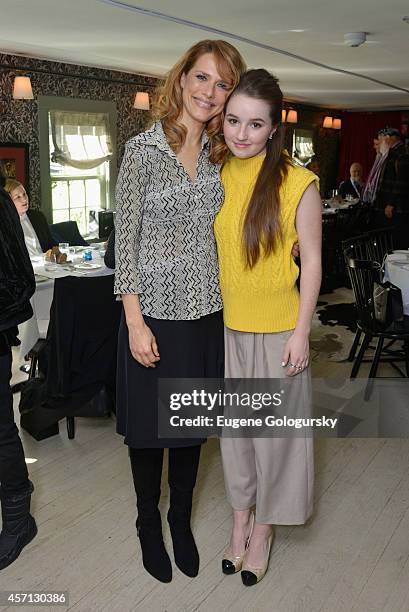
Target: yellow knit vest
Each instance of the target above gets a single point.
(264, 299)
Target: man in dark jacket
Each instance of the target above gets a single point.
(17, 285)
(393, 193)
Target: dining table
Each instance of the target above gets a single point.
(333, 205)
(396, 271)
(45, 275)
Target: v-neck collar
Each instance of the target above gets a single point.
(156, 136)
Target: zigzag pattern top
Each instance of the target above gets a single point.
(165, 248)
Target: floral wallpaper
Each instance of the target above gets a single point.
(19, 118)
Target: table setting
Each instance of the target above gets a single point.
(78, 261)
(335, 203)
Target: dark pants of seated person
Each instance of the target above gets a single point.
(18, 526)
(146, 464)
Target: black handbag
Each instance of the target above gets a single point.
(388, 304)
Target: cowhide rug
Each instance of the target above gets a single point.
(333, 326)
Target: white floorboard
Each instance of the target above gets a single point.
(353, 554)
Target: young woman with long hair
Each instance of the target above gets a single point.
(269, 204)
(168, 193)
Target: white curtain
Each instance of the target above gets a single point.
(80, 140)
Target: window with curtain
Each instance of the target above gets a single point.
(80, 145)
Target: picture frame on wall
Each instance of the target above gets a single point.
(15, 158)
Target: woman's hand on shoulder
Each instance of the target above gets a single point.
(142, 344)
(296, 353)
(295, 251)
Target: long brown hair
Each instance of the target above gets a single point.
(262, 221)
(167, 103)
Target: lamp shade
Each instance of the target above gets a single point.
(336, 124)
(292, 116)
(22, 89)
(142, 101)
(327, 123)
(283, 115)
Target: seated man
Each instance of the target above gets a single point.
(353, 186)
(36, 230)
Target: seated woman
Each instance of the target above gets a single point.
(353, 186)
(36, 230)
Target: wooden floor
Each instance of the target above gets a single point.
(353, 555)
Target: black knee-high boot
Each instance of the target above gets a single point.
(19, 527)
(146, 466)
(183, 466)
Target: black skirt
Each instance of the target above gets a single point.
(188, 349)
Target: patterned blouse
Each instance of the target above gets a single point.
(165, 249)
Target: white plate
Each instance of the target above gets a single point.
(87, 266)
(401, 252)
(40, 279)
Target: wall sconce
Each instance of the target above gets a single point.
(22, 89)
(142, 101)
(327, 123)
(336, 124)
(292, 116)
(283, 115)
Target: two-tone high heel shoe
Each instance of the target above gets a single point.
(252, 575)
(233, 564)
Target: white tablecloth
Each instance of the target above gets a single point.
(397, 272)
(30, 331)
(332, 206)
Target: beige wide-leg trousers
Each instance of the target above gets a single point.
(274, 474)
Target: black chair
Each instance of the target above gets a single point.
(105, 223)
(67, 231)
(363, 274)
(371, 246)
(329, 253)
(380, 243)
(80, 357)
(355, 248)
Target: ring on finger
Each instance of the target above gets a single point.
(293, 365)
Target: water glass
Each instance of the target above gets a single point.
(64, 247)
(50, 262)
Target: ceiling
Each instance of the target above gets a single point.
(100, 33)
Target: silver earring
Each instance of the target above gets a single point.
(270, 137)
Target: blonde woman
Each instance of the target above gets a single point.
(37, 234)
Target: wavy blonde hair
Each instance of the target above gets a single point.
(11, 185)
(167, 103)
